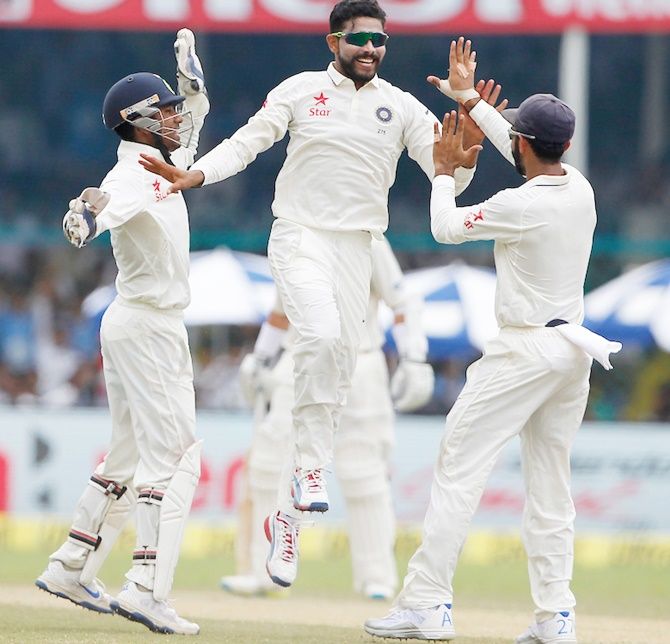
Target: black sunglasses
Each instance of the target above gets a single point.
(360, 38)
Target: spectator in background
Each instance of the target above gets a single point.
(18, 339)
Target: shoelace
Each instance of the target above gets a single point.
(314, 480)
(287, 541)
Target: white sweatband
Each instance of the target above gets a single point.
(411, 345)
(269, 341)
(459, 95)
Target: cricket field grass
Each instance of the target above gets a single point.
(616, 604)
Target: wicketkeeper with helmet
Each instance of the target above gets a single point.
(153, 463)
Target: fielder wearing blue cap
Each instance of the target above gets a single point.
(533, 379)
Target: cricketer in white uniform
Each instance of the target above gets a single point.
(532, 381)
(363, 442)
(347, 129)
(153, 462)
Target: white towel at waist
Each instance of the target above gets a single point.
(595, 345)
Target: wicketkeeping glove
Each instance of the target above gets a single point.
(412, 385)
(190, 77)
(79, 221)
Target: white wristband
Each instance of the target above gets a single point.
(411, 345)
(460, 95)
(269, 340)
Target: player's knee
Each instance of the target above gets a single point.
(320, 350)
(361, 477)
(264, 474)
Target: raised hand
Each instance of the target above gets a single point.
(190, 77)
(178, 178)
(489, 91)
(448, 151)
(462, 64)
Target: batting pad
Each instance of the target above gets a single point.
(112, 524)
(174, 512)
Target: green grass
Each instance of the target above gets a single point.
(634, 591)
(640, 590)
(52, 626)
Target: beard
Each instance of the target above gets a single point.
(350, 71)
(518, 162)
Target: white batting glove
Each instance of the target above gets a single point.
(79, 221)
(412, 385)
(190, 77)
(256, 378)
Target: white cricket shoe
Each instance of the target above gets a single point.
(309, 491)
(140, 606)
(64, 582)
(414, 624)
(380, 592)
(249, 586)
(282, 562)
(560, 629)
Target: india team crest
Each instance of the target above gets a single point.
(384, 114)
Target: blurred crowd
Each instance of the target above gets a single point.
(50, 353)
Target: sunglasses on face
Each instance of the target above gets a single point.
(360, 38)
(512, 134)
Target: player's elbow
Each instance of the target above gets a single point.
(439, 230)
(443, 235)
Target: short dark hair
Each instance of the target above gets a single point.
(126, 131)
(546, 151)
(349, 9)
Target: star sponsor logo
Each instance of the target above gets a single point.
(159, 195)
(473, 217)
(320, 107)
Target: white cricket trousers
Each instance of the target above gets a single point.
(362, 451)
(323, 278)
(530, 382)
(149, 379)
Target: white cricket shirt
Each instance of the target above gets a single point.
(149, 231)
(543, 232)
(343, 149)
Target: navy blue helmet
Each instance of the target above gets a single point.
(136, 97)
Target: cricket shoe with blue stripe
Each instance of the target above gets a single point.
(64, 582)
(559, 629)
(282, 532)
(309, 491)
(414, 624)
(138, 604)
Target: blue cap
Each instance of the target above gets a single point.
(543, 117)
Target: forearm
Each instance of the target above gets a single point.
(494, 126)
(462, 178)
(234, 154)
(443, 210)
(198, 105)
